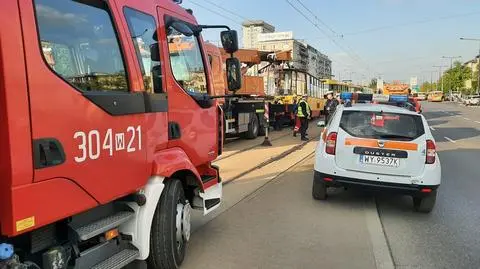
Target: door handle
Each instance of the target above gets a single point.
(47, 152)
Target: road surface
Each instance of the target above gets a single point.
(281, 226)
(450, 236)
(270, 220)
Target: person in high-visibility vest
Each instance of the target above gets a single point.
(304, 113)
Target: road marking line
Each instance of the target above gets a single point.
(431, 128)
(451, 140)
(466, 118)
(477, 121)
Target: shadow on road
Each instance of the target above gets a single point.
(456, 133)
(434, 123)
(439, 114)
(280, 225)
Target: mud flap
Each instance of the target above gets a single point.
(211, 198)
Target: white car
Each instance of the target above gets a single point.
(378, 147)
(472, 100)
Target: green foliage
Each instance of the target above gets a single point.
(427, 86)
(454, 78)
(373, 84)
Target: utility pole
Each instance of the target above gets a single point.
(478, 59)
(431, 80)
(451, 59)
(440, 77)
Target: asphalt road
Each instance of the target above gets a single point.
(449, 237)
(281, 226)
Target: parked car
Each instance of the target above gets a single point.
(421, 97)
(472, 100)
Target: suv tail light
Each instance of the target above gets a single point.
(331, 143)
(431, 152)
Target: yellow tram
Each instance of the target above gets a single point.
(293, 83)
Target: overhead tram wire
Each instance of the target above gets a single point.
(226, 10)
(317, 18)
(215, 12)
(326, 34)
(335, 34)
(387, 27)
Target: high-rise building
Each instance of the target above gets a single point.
(304, 56)
(251, 30)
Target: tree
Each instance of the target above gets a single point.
(475, 82)
(373, 84)
(427, 86)
(454, 78)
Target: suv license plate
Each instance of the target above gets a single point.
(377, 160)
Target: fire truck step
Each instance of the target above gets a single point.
(102, 225)
(119, 260)
(208, 178)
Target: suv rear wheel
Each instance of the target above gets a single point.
(319, 189)
(425, 204)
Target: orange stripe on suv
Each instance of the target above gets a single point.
(373, 143)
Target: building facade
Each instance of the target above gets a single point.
(304, 56)
(258, 34)
(474, 66)
(251, 30)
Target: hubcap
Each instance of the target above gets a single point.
(183, 223)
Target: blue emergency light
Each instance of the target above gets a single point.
(346, 96)
(398, 98)
(373, 97)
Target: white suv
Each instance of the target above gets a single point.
(378, 147)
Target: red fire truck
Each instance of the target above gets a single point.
(107, 129)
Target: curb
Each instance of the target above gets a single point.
(380, 247)
(271, 160)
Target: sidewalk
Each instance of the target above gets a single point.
(236, 145)
(236, 164)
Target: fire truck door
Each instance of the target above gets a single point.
(193, 120)
(88, 109)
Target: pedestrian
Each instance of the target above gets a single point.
(296, 119)
(330, 105)
(304, 113)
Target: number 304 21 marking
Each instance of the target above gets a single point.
(93, 144)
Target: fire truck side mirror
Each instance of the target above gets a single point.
(234, 74)
(229, 41)
(154, 52)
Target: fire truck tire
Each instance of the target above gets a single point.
(170, 228)
(253, 127)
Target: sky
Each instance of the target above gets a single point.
(391, 39)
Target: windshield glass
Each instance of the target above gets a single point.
(382, 125)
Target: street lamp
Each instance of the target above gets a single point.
(440, 77)
(478, 64)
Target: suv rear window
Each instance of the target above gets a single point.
(382, 125)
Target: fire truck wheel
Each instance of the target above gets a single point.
(253, 127)
(170, 228)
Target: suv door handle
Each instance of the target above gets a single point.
(47, 152)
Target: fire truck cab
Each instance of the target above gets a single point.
(108, 131)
